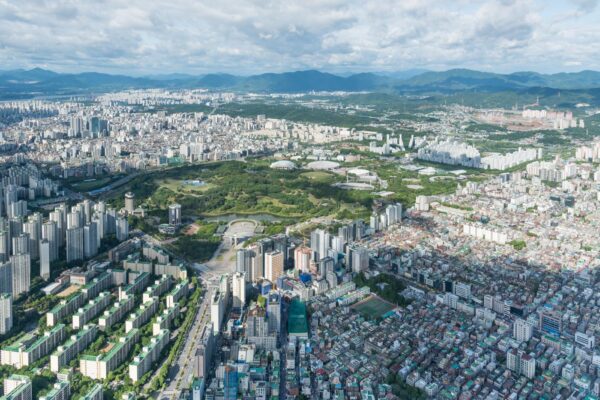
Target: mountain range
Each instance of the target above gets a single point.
(39, 82)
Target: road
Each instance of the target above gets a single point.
(181, 372)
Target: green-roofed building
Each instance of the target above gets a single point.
(61, 390)
(17, 387)
(30, 348)
(65, 308)
(72, 347)
(297, 320)
(149, 354)
(96, 393)
(99, 366)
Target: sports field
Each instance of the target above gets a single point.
(373, 307)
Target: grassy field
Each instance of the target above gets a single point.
(179, 186)
(244, 188)
(90, 184)
(319, 176)
(373, 307)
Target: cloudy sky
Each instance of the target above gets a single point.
(197, 36)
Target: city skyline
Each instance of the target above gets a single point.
(140, 38)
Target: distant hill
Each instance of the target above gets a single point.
(470, 80)
(27, 83)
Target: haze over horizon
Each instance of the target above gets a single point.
(243, 38)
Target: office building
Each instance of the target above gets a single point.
(273, 265)
(230, 383)
(239, 289)
(302, 258)
(175, 214)
(319, 243)
(204, 352)
(129, 202)
(274, 312)
(550, 323)
(217, 310)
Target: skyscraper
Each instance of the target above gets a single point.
(273, 265)
(4, 245)
(274, 312)
(74, 244)
(175, 214)
(31, 229)
(256, 262)
(6, 314)
(50, 233)
(90, 240)
(6, 277)
(45, 259)
(319, 243)
(21, 273)
(302, 257)
(230, 383)
(74, 219)
(239, 289)
(20, 244)
(56, 217)
(129, 202)
(122, 226)
(242, 262)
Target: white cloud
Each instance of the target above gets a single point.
(249, 36)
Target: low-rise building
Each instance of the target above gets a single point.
(91, 309)
(142, 314)
(72, 347)
(30, 347)
(116, 313)
(149, 354)
(99, 366)
(18, 387)
(165, 320)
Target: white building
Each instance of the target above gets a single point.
(522, 330)
(239, 289)
(6, 313)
